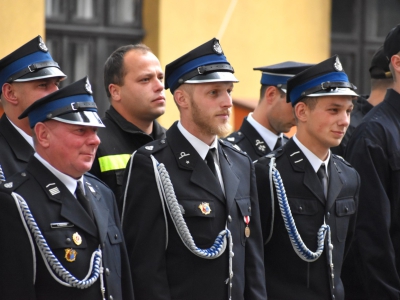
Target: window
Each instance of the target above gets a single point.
(81, 34)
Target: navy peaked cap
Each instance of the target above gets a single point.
(279, 74)
(72, 104)
(206, 63)
(32, 61)
(324, 79)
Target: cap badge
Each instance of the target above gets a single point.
(8, 185)
(77, 239)
(88, 87)
(337, 65)
(70, 254)
(42, 45)
(217, 47)
(205, 208)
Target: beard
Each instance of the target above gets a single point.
(206, 122)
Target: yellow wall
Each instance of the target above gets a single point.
(21, 21)
(257, 33)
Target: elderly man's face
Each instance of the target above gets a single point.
(69, 148)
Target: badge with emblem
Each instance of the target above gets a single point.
(8, 185)
(231, 139)
(217, 47)
(42, 45)
(337, 65)
(247, 228)
(149, 148)
(88, 87)
(70, 254)
(260, 145)
(205, 208)
(77, 239)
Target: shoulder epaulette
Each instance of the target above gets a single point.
(232, 146)
(152, 147)
(342, 159)
(13, 182)
(235, 137)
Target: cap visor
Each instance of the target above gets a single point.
(41, 74)
(335, 92)
(85, 118)
(213, 77)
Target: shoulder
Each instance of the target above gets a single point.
(14, 182)
(235, 137)
(153, 147)
(228, 145)
(341, 161)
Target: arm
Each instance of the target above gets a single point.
(254, 264)
(373, 227)
(145, 232)
(16, 264)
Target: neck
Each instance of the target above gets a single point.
(205, 137)
(376, 96)
(319, 150)
(21, 124)
(144, 125)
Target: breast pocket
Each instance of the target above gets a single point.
(304, 212)
(115, 239)
(199, 215)
(345, 208)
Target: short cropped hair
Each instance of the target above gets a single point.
(114, 71)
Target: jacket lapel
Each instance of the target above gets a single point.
(256, 141)
(231, 180)
(100, 212)
(335, 183)
(300, 163)
(188, 159)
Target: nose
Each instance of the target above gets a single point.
(94, 138)
(227, 101)
(344, 119)
(159, 85)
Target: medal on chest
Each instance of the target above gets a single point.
(247, 228)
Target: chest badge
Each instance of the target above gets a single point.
(77, 239)
(70, 254)
(205, 208)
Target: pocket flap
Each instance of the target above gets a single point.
(244, 206)
(114, 235)
(197, 208)
(303, 206)
(345, 207)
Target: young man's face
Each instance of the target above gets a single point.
(210, 108)
(326, 124)
(142, 94)
(280, 116)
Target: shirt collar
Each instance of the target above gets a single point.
(312, 158)
(267, 135)
(27, 137)
(201, 147)
(68, 181)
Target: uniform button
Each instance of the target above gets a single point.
(249, 208)
(104, 244)
(107, 271)
(23, 174)
(328, 215)
(333, 296)
(346, 209)
(111, 297)
(68, 240)
(239, 133)
(301, 208)
(229, 218)
(162, 141)
(116, 236)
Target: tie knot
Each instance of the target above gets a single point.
(80, 188)
(278, 143)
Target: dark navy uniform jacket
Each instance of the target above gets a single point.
(374, 151)
(15, 151)
(287, 275)
(250, 141)
(119, 139)
(175, 272)
(23, 273)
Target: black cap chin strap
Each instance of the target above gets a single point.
(32, 68)
(73, 107)
(328, 85)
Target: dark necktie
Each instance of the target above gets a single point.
(80, 195)
(278, 143)
(323, 178)
(210, 161)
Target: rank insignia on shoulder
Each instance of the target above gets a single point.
(205, 208)
(149, 148)
(231, 139)
(70, 254)
(77, 239)
(8, 185)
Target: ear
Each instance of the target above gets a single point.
(181, 98)
(301, 111)
(9, 93)
(270, 94)
(115, 92)
(42, 133)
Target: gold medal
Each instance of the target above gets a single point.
(77, 239)
(247, 231)
(205, 208)
(70, 254)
